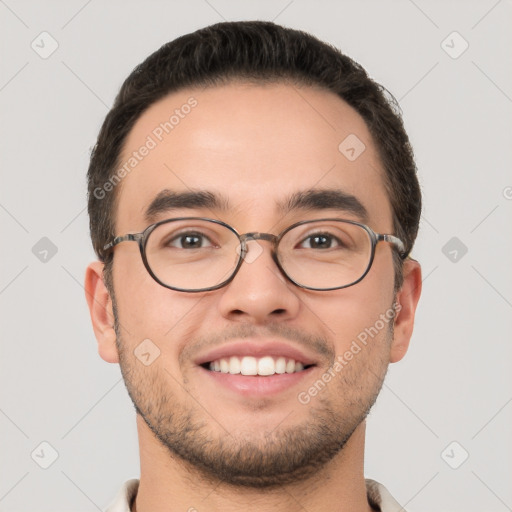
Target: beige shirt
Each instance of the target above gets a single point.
(378, 497)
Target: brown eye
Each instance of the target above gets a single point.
(190, 240)
(320, 241)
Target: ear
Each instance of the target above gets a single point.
(100, 308)
(406, 301)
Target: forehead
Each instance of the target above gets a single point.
(253, 144)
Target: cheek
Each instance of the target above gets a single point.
(350, 313)
(347, 318)
(148, 310)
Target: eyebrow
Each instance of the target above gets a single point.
(325, 199)
(168, 200)
(308, 200)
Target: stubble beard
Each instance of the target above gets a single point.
(285, 455)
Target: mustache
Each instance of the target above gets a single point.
(271, 330)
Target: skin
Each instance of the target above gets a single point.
(256, 145)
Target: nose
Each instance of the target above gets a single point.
(259, 293)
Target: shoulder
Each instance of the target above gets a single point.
(124, 497)
(380, 498)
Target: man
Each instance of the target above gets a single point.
(253, 202)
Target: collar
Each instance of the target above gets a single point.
(378, 497)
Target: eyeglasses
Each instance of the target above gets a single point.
(195, 254)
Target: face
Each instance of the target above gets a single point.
(255, 147)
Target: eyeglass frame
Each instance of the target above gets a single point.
(142, 238)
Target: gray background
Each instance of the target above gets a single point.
(454, 384)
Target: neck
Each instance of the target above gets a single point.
(167, 484)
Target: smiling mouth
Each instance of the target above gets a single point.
(256, 366)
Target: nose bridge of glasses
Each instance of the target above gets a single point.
(247, 237)
(255, 236)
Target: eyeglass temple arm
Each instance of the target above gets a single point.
(131, 237)
(395, 241)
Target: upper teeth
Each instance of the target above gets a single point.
(249, 365)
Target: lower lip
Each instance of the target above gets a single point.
(256, 385)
